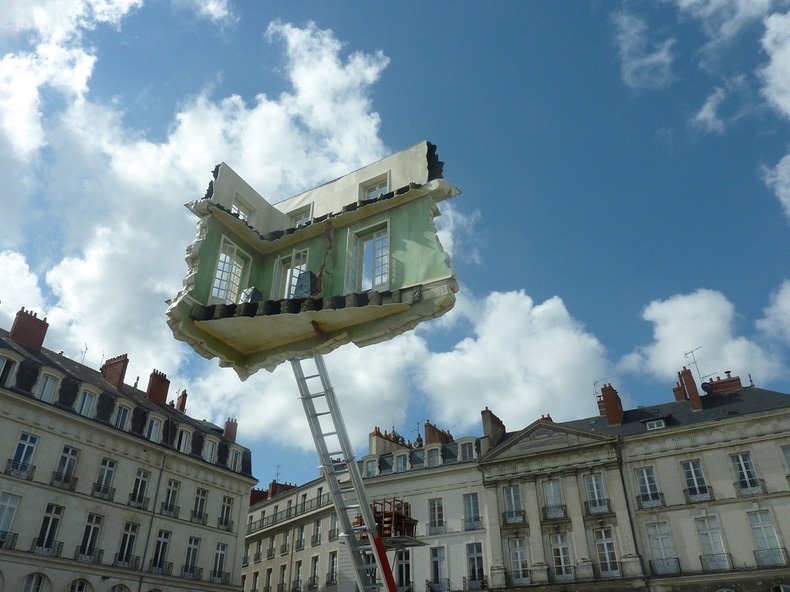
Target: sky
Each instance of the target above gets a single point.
(624, 168)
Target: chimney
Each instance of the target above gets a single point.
(434, 435)
(611, 404)
(493, 429)
(231, 427)
(114, 370)
(723, 385)
(28, 329)
(258, 495)
(158, 385)
(687, 380)
(181, 402)
(679, 392)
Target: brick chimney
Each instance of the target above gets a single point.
(722, 386)
(158, 385)
(114, 370)
(611, 406)
(687, 380)
(28, 329)
(434, 435)
(679, 392)
(493, 429)
(181, 402)
(231, 427)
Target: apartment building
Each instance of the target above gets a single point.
(109, 488)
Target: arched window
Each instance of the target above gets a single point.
(119, 588)
(80, 586)
(34, 583)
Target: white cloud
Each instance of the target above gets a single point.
(776, 74)
(776, 320)
(778, 179)
(645, 64)
(523, 360)
(704, 319)
(707, 118)
(217, 11)
(723, 19)
(21, 291)
(458, 234)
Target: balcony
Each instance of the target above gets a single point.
(519, 577)
(270, 553)
(256, 557)
(749, 487)
(126, 561)
(198, 517)
(555, 512)
(436, 529)
(219, 577)
(63, 481)
(647, 501)
(89, 554)
(315, 540)
(607, 570)
(159, 567)
(669, 566)
(8, 540)
(716, 562)
(312, 582)
(596, 507)
(475, 584)
(20, 470)
(191, 572)
(333, 534)
(299, 545)
(296, 586)
(225, 524)
(104, 492)
(331, 578)
(562, 573)
(473, 523)
(283, 548)
(512, 517)
(771, 557)
(245, 560)
(281, 587)
(440, 585)
(696, 495)
(46, 547)
(171, 510)
(138, 501)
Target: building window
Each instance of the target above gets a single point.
(403, 570)
(34, 583)
(6, 367)
(474, 565)
(199, 507)
(121, 417)
(331, 574)
(184, 441)
(8, 505)
(45, 387)
(367, 260)
(714, 556)
(371, 467)
(153, 430)
(231, 263)
(300, 217)
(84, 404)
(191, 560)
(333, 527)
(159, 561)
(170, 504)
(438, 566)
(87, 550)
(21, 465)
(137, 498)
(664, 560)
(373, 188)
(768, 550)
(235, 461)
(64, 474)
(471, 512)
(218, 574)
(125, 557)
(45, 543)
(561, 556)
(316, 532)
(649, 496)
(435, 516)
(655, 424)
(696, 486)
(552, 495)
(433, 457)
(288, 268)
(747, 482)
(210, 451)
(240, 208)
(313, 583)
(596, 495)
(401, 463)
(519, 561)
(605, 550)
(512, 498)
(79, 586)
(103, 487)
(225, 521)
(467, 451)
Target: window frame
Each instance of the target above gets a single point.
(80, 403)
(375, 186)
(287, 270)
(44, 380)
(230, 274)
(379, 236)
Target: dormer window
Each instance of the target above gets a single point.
(467, 451)
(401, 463)
(84, 405)
(210, 451)
(240, 208)
(121, 417)
(6, 367)
(655, 424)
(184, 441)
(371, 467)
(234, 462)
(433, 458)
(300, 217)
(153, 431)
(45, 388)
(374, 187)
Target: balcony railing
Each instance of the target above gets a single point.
(608, 569)
(312, 582)
(192, 572)
(46, 547)
(749, 488)
(198, 517)
(89, 554)
(437, 529)
(646, 501)
(478, 583)
(669, 566)
(562, 573)
(296, 586)
(270, 553)
(595, 507)
(104, 492)
(220, 577)
(138, 501)
(716, 562)
(162, 568)
(299, 545)
(64, 481)
(20, 470)
(225, 524)
(473, 523)
(440, 585)
(333, 534)
(283, 548)
(406, 587)
(695, 495)
(331, 578)
(256, 557)
(308, 506)
(8, 540)
(245, 560)
(315, 540)
(171, 510)
(519, 577)
(771, 557)
(512, 517)
(281, 587)
(555, 512)
(126, 561)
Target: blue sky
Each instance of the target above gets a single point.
(624, 168)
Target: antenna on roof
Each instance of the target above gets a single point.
(83, 352)
(595, 386)
(277, 473)
(694, 362)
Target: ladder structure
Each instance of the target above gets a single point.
(343, 477)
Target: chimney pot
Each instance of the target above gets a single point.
(231, 427)
(114, 370)
(181, 402)
(158, 385)
(28, 329)
(612, 405)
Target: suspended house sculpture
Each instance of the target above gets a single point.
(353, 260)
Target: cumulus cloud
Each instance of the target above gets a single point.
(721, 20)
(778, 179)
(703, 320)
(707, 118)
(776, 320)
(644, 64)
(776, 73)
(22, 291)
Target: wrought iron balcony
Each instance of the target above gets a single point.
(607, 569)
(518, 577)
(475, 584)
(89, 554)
(437, 529)
(555, 512)
(225, 524)
(47, 547)
(20, 470)
(283, 548)
(331, 578)
(312, 582)
(64, 481)
(440, 585)
(126, 561)
(257, 557)
(299, 545)
(245, 560)
(315, 540)
(473, 523)
(695, 495)
(296, 586)
(406, 587)
(281, 587)
(562, 573)
(220, 577)
(598, 506)
(646, 501)
(192, 572)
(333, 534)
(104, 492)
(512, 517)
(138, 501)
(8, 540)
(163, 568)
(270, 553)
(670, 566)
(771, 557)
(171, 510)
(749, 487)
(198, 517)
(716, 562)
